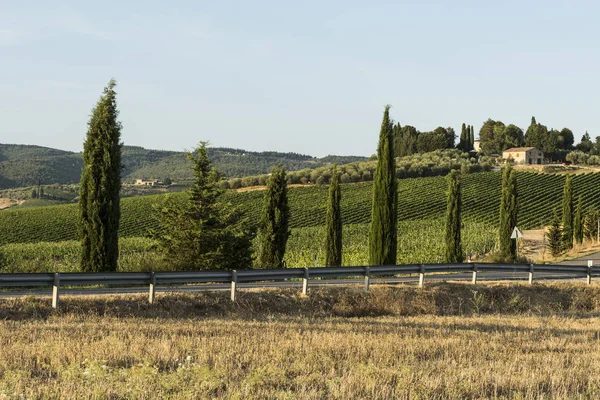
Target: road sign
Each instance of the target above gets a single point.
(516, 234)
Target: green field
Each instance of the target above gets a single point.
(418, 199)
(417, 243)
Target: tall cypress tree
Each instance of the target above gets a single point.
(333, 240)
(567, 213)
(273, 231)
(578, 221)
(99, 206)
(384, 215)
(471, 138)
(508, 213)
(454, 252)
(462, 143)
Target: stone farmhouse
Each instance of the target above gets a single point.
(524, 155)
(144, 182)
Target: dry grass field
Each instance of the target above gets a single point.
(444, 341)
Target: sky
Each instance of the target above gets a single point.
(310, 77)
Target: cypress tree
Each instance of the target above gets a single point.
(578, 221)
(508, 213)
(384, 215)
(567, 213)
(471, 138)
(453, 219)
(462, 144)
(99, 205)
(333, 240)
(273, 231)
(554, 236)
(590, 224)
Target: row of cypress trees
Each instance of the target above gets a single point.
(562, 234)
(99, 205)
(467, 138)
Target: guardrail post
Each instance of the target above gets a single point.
(367, 278)
(234, 281)
(152, 287)
(530, 274)
(475, 270)
(589, 272)
(422, 276)
(305, 282)
(55, 289)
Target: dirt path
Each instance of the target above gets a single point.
(7, 203)
(254, 188)
(534, 244)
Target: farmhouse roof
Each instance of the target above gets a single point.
(518, 149)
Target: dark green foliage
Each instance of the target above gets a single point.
(405, 140)
(463, 143)
(537, 135)
(273, 231)
(567, 213)
(202, 232)
(508, 213)
(384, 220)
(586, 143)
(431, 141)
(554, 236)
(566, 139)
(590, 224)
(578, 221)
(496, 137)
(333, 228)
(99, 202)
(471, 138)
(454, 252)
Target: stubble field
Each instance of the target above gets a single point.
(444, 341)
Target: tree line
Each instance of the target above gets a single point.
(418, 165)
(495, 137)
(206, 233)
(407, 140)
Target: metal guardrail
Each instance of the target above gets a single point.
(152, 279)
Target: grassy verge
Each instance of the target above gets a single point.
(443, 341)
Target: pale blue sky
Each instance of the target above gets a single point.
(310, 77)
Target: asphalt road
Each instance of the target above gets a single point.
(482, 276)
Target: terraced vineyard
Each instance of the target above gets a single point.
(418, 199)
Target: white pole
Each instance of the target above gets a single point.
(305, 282)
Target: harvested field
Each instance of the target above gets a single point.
(444, 341)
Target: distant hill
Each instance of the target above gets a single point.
(24, 165)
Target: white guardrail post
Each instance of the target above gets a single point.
(234, 282)
(55, 289)
(367, 278)
(589, 272)
(475, 270)
(530, 274)
(152, 291)
(422, 276)
(305, 282)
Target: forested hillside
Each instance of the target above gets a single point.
(24, 165)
